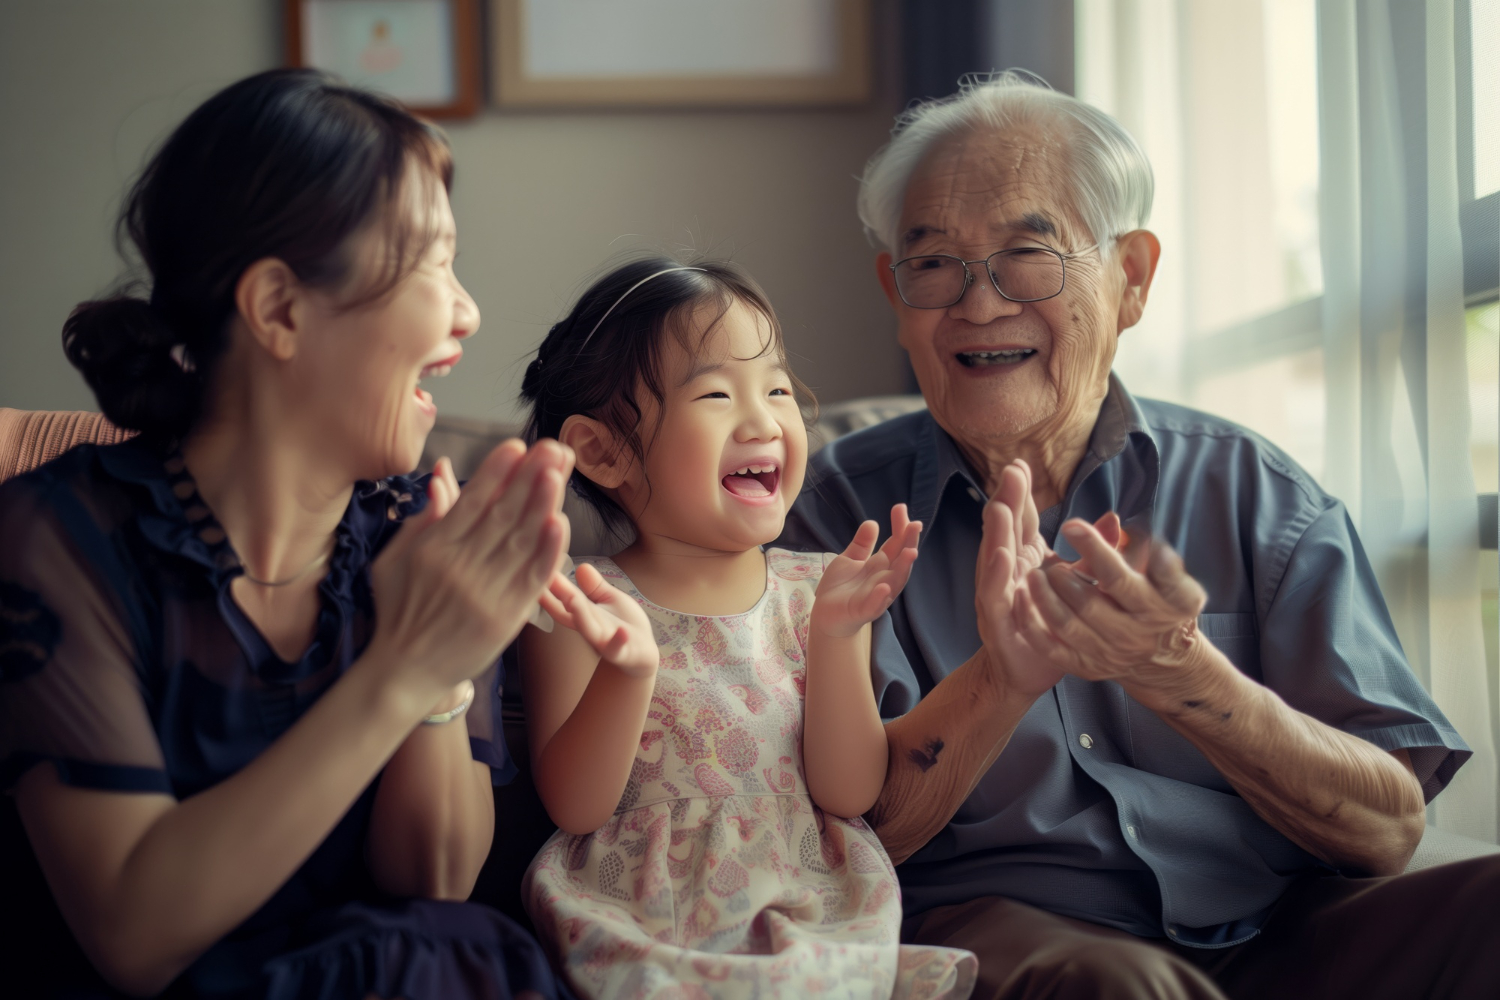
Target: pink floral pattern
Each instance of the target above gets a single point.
(717, 876)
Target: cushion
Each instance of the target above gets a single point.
(29, 438)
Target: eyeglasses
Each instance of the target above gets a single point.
(1021, 274)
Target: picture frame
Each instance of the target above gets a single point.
(679, 53)
(423, 53)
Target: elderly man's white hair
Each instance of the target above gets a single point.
(1112, 182)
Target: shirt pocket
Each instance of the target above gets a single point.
(1236, 634)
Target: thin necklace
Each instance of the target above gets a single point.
(320, 560)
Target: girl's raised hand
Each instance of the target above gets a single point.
(610, 621)
(861, 582)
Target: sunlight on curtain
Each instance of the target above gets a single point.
(1312, 287)
(1218, 95)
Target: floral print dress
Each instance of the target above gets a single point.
(717, 876)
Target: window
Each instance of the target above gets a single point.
(1218, 94)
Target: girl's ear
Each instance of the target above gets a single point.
(601, 455)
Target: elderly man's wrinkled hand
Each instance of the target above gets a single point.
(999, 580)
(1012, 548)
(1126, 616)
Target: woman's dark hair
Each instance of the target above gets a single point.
(610, 346)
(286, 164)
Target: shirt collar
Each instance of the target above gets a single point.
(1120, 424)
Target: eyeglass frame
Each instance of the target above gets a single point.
(1062, 258)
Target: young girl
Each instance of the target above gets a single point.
(711, 844)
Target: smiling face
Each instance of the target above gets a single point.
(993, 370)
(375, 354)
(730, 453)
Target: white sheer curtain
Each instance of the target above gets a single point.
(1398, 415)
(1311, 284)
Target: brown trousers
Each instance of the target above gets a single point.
(1434, 933)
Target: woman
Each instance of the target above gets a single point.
(246, 682)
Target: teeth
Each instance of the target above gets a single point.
(1005, 357)
(753, 469)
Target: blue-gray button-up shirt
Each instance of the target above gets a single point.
(1097, 808)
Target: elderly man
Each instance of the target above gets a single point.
(1098, 782)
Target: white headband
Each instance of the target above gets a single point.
(622, 298)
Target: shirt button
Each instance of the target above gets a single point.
(1085, 740)
(976, 495)
(1130, 829)
(1172, 931)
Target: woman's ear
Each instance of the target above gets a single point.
(267, 297)
(601, 455)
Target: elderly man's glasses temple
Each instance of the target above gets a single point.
(1022, 274)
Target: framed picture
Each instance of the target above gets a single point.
(424, 53)
(679, 53)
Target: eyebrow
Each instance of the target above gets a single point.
(702, 368)
(1035, 223)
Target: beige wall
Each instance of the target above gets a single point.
(87, 87)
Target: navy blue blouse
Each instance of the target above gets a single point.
(125, 662)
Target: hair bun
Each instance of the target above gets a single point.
(123, 347)
(531, 382)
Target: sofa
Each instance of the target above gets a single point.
(29, 438)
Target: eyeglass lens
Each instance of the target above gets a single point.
(935, 282)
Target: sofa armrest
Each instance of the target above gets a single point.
(1439, 847)
(29, 438)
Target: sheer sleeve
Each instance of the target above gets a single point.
(486, 731)
(70, 691)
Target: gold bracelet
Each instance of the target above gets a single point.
(452, 713)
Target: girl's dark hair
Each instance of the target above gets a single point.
(287, 164)
(600, 378)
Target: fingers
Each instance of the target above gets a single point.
(862, 545)
(506, 490)
(442, 489)
(1137, 549)
(1030, 521)
(597, 628)
(1109, 528)
(905, 533)
(998, 525)
(1170, 579)
(1043, 589)
(1103, 563)
(876, 601)
(590, 580)
(899, 520)
(998, 540)
(1013, 491)
(542, 562)
(556, 598)
(533, 495)
(492, 475)
(1033, 632)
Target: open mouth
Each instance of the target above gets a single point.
(990, 359)
(435, 370)
(753, 482)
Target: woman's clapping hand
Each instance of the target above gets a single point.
(461, 578)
